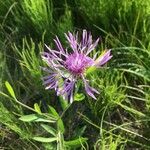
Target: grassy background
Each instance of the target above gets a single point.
(119, 119)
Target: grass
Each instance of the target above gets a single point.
(118, 119)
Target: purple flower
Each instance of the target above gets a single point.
(68, 65)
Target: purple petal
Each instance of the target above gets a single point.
(45, 55)
(92, 47)
(67, 87)
(104, 58)
(89, 40)
(52, 59)
(84, 38)
(51, 85)
(90, 90)
(67, 90)
(57, 42)
(50, 81)
(47, 70)
(72, 41)
(52, 53)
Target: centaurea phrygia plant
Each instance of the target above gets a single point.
(67, 67)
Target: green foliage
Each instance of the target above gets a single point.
(40, 14)
(60, 124)
(33, 118)
(79, 97)
(65, 23)
(49, 129)
(10, 89)
(110, 142)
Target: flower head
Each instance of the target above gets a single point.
(67, 67)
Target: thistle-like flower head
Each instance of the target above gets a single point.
(66, 67)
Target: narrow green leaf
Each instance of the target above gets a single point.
(132, 110)
(53, 111)
(44, 120)
(90, 70)
(59, 121)
(79, 97)
(49, 129)
(29, 118)
(80, 131)
(76, 142)
(45, 140)
(10, 89)
(60, 125)
(37, 108)
(64, 103)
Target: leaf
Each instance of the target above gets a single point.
(90, 70)
(79, 97)
(80, 131)
(59, 121)
(44, 120)
(37, 108)
(60, 125)
(36, 118)
(29, 118)
(64, 103)
(132, 110)
(49, 129)
(10, 89)
(44, 140)
(76, 142)
(53, 111)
